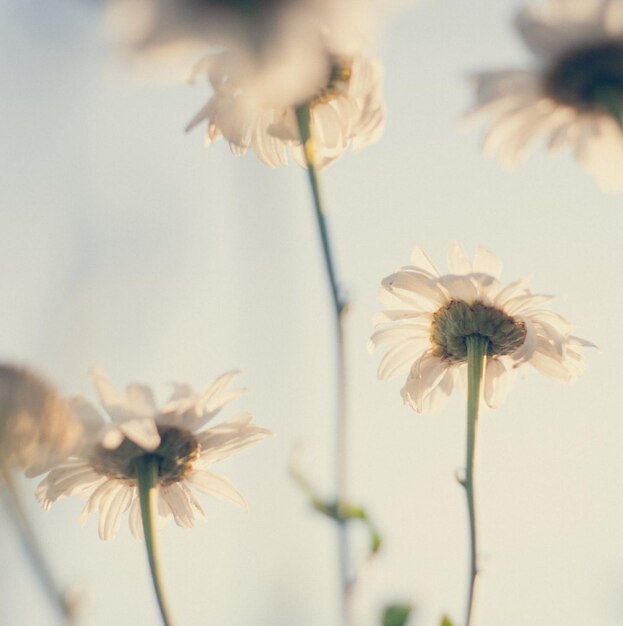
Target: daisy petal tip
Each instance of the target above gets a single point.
(111, 438)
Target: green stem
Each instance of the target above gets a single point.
(476, 351)
(303, 117)
(147, 477)
(31, 545)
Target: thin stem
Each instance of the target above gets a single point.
(340, 309)
(303, 118)
(18, 515)
(476, 351)
(147, 477)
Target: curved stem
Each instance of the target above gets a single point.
(147, 477)
(476, 351)
(31, 545)
(303, 117)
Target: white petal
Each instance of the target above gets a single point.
(549, 362)
(519, 304)
(111, 438)
(217, 486)
(485, 262)
(422, 261)
(110, 512)
(436, 400)
(458, 262)
(141, 399)
(425, 375)
(216, 396)
(180, 505)
(499, 379)
(460, 287)
(143, 432)
(401, 357)
(222, 441)
(526, 350)
(578, 341)
(512, 290)
(398, 333)
(402, 314)
(416, 290)
(135, 520)
(121, 406)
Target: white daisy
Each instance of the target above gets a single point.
(37, 428)
(346, 108)
(574, 95)
(429, 315)
(292, 33)
(104, 472)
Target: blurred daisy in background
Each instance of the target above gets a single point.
(574, 95)
(103, 470)
(164, 26)
(429, 315)
(37, 427)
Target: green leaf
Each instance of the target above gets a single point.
(341, 513)
(396, 614)
(445, 621)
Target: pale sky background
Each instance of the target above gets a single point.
(128, 245)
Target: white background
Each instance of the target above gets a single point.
(124, 243)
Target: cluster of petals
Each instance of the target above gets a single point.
(37, 427)
(257, 110)
(414, 293)
(135, 417)
(523, 109)
(166, 29)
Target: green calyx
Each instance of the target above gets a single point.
(174, 456)
(458, 320)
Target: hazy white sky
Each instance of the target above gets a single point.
(128, 245)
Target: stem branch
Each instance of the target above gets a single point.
(147, 477)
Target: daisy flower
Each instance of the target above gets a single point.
(290, 33)
(104, 469)
(573, 97)
(37, 428)
(253, 111)
(430, 315)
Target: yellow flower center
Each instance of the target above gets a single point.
(457, 320)
(175, 455)
(337, 83)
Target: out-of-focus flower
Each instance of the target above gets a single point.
(104, 468)
(346, 108)
(167, 29)
(429, 316)
(37, 428)
(574, 95)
